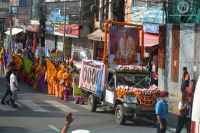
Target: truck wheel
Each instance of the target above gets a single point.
(119, 115)
(92, 103)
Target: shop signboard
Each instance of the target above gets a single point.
(151, 28)
(70, 30)
(56, 18)
(150, 17)
(49, 28)
(147, 15)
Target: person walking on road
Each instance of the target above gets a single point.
(8, 91)
(184, 115)
(14, 88)
(185, 80)
(162, 112)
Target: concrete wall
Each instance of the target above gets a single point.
(188, 57)
(197, 53)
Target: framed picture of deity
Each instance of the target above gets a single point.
(123, 46)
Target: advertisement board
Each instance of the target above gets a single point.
(123, 46)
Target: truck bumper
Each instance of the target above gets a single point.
(131, 109)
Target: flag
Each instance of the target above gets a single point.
(27, 64)
(51, 71)
(7, 58)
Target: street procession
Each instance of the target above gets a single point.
(99, 66)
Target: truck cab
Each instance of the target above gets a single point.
(120, 93)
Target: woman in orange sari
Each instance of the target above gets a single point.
(67, 76)
(59, 78)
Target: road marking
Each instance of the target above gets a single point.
(54, 128)
(6, 107)
(60, 106)
(19, 104)
(32, 106)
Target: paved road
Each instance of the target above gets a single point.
(41, 113)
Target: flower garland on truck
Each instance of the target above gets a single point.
(145, 96)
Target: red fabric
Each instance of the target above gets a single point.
(189, 90)
(164, 93)
(150, 39)
(34, 42)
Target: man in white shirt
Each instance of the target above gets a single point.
(14, 88)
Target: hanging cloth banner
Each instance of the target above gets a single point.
(92, 76)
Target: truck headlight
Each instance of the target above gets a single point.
(130, 99)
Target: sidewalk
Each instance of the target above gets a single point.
(173, 104)
(173, 110)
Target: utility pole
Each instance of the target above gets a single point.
(11, 42)
(64, 40)
(42, 23)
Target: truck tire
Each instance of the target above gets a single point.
(120, 118)
(92, 103)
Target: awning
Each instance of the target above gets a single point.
(97, 35)
(150, 40)
(14, 31)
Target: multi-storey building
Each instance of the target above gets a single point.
(78, 23)
(4, 4)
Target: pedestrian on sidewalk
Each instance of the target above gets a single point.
(162, 112)
(8, 91)
(14, 88)
(184, 115)
(185, 80)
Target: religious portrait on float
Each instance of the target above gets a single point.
(124, 43)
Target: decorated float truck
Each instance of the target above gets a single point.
(126, 90)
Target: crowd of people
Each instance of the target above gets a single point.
(37, 71)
